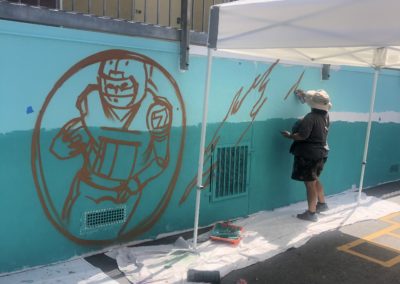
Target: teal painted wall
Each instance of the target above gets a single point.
(43, 72)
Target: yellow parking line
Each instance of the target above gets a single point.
(369, 239)
(361, 241)
(352, 244)
(383, 263)
(388, 218)
(380, 233)
(393, 261)
(396, 235)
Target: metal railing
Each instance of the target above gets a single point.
(166, 13)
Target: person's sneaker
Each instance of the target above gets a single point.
(308, 216)
(321, 207)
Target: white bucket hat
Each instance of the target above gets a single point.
(318, 99)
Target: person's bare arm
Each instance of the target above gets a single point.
(295, 136)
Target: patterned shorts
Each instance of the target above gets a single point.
(307, 169)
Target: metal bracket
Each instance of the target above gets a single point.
(184, 36)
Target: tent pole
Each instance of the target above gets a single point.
(202, 146)
(371, 110)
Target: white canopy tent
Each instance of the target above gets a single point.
(340, 32)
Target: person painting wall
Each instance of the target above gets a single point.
(310, 149)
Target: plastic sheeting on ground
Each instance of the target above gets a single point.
(265, 235)
(76, 271)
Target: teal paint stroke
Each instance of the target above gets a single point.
(270, 185)
(273, 163)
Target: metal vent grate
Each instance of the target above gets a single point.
(104, 217)
(231, 171)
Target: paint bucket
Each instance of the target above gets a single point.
(226, 232)
(204, 276)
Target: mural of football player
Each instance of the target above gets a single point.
(122, 134)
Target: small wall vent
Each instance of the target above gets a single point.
(104, 217)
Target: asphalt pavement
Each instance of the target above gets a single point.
(366, 252)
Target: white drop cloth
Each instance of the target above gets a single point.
(265, 235)
(76, 271)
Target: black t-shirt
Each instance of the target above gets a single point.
(314, 128)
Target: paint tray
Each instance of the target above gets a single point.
(226, 232)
